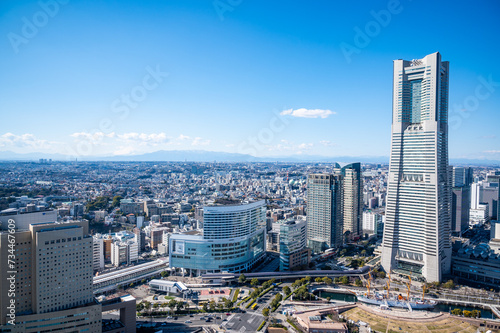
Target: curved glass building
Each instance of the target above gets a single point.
(233, 240)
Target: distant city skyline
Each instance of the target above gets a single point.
(257, 78)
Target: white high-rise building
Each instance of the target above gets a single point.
(98, 253)
(417, 229)
(475, 195)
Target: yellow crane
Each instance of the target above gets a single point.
(408, 285)
(389, 284)
(368, 283)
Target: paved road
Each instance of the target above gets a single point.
(244, 322)
(180, 323)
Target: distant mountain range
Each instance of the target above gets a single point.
(210, 156)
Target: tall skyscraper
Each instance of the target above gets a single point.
(352, 200)
(462, 176)
(460, 200)
(417, 229)
(324, 214)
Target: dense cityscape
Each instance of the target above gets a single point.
(232, 166)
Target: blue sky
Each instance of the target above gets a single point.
(259, 77)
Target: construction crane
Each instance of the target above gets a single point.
(368, 283)
(389, 284)
(424, 289)
(408, 286)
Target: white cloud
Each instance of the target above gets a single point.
(327, 143)
(200, 142)
(153, 138)
(287, 146)
(492, 151)
(306, 146)
(94, 137)
(22, 141)
(125, 150)
(308, 113)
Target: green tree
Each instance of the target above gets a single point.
(255, 293)
(358, 283)
(98, 203)
(254, 282)
(172, 304)
(456, 312)
(381, 275)
(180, 306)
(449, 284)
(476, 314)
(318, 280)
(164, 274)
(308, 279)
(344, 280)
(287, 290)
(467, 313)
(116, 201)
(265, 312)
(228, 304)
(212, 305)
(242, 278)
(327, 280)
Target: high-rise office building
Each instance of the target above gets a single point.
(352, 200)
(417, 229)
(292, 244)
(324, 211)
(51, 280)
(462, 176)
(460, 201)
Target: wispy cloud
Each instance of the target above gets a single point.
(23, 141)
(492, 151)
(287, 146)
(92, 137)
(327, 143)
(308, 113)
(153, 138)
(200, 142)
